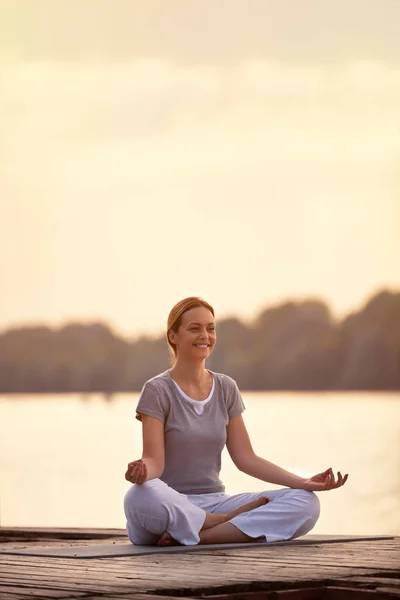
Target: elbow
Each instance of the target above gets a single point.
(155, 473)
(160, 467)
(155, 467)
(246, 464)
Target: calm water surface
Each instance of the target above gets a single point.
(63, 457)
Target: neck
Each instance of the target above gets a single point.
(189, 371)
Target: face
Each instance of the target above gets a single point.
(196, 336)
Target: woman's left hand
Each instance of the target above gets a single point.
(325, 481)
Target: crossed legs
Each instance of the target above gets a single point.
(157, 514)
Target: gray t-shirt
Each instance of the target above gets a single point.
(193, 442)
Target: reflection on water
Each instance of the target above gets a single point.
(62, 460)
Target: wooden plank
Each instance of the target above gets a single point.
(389, 591)
(262, 567)
(289, 568)
(369, 582)
(186, 572)
(133, 596)
(61, 533)
(36, 591)
(340, 593)
(18, 596)
(166, 561)
(67, 588)
(65, 578)
(305, 593)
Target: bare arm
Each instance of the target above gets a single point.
(242, 453)
(151, 465)
(244, 457)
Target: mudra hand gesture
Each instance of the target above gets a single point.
(136, 472)
(325, 481)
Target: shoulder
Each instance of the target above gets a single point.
(154, 399)
(157, 388)
(158, 382)
(227, 382)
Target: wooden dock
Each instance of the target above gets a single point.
(335, 571)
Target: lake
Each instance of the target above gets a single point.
(63, 457)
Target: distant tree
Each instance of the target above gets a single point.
(370, 345)
(293, 346)
(233, 351)
(146, 358)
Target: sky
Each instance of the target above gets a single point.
(244, 151)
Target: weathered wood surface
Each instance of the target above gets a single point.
(320, 571)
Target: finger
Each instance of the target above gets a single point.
(321, 477)
(338, 481)
(142, 474)
(130, 476)
(132, 465)
(134, 472)
(341, 480)
(332, 478)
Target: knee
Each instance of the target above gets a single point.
(147, 516)
(142, 497)
(311, 505)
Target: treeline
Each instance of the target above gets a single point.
(293, 346)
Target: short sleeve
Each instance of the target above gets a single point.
(151, 403)
(235, 402)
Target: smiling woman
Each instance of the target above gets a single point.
(191, 327)
(188, 414)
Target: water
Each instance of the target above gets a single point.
(63, 457)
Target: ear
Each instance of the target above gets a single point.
(172, 336)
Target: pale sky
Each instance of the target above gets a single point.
(247, 156)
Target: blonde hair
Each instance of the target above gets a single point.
(176, 313)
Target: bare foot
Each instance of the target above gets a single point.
(213, 519)
(167, 540)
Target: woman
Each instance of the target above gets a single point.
(188, 414)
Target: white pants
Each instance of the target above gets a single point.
(153, 508)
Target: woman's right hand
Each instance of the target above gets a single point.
(137, 472)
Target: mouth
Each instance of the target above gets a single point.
(202, 345)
